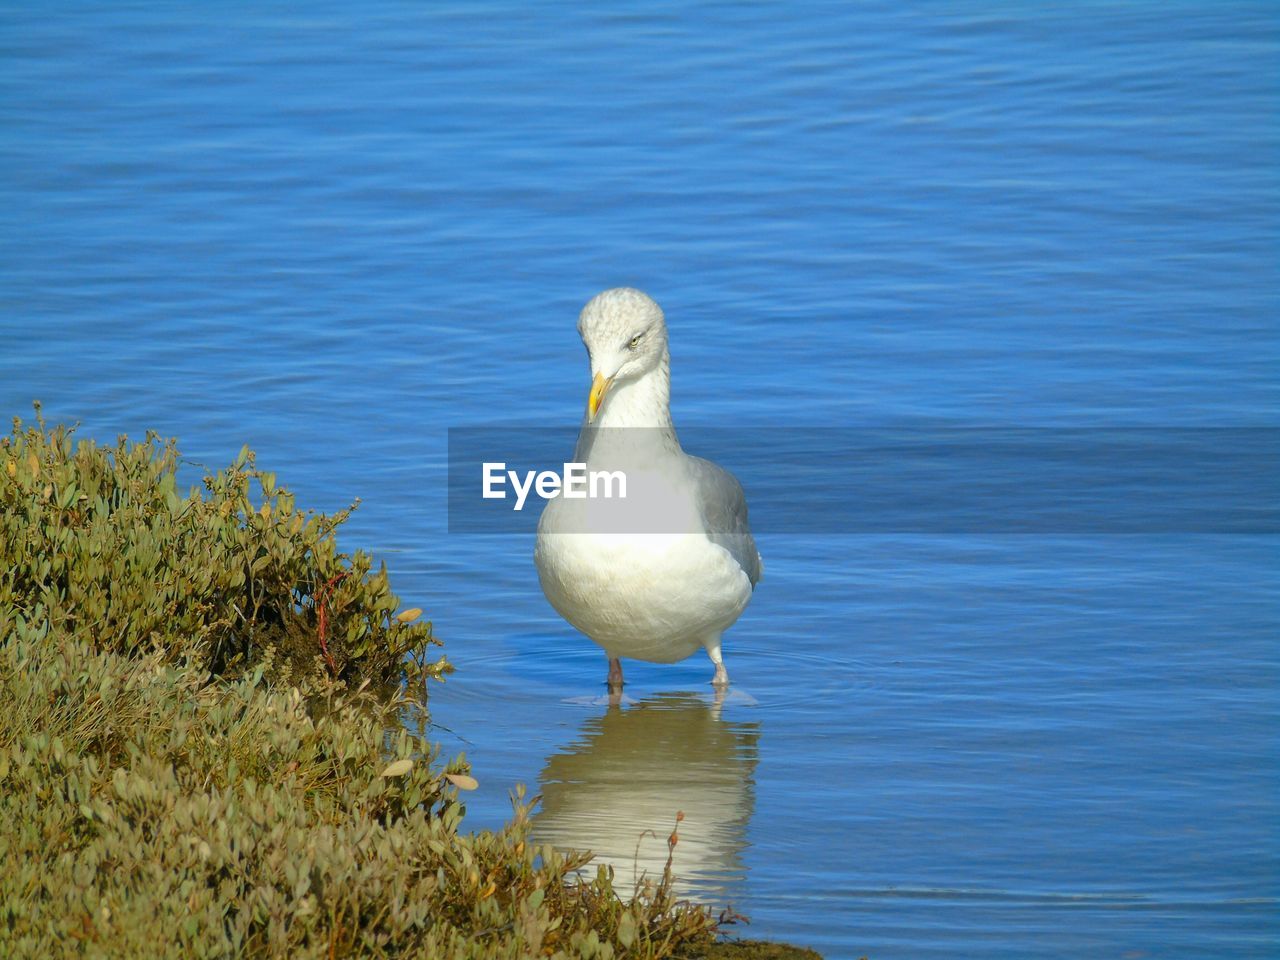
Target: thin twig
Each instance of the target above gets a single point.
(322, 619)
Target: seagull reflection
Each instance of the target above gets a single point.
(631, 769)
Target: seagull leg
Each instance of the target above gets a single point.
(615, 675)
(721, 679)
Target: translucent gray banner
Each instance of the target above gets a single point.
(821, 480)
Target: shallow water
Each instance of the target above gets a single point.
(335, 235)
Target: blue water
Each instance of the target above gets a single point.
(334, 232)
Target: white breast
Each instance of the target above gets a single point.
(646, 596)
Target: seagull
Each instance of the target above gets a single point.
(664, 570)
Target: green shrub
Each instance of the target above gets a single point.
(165, 789)
(147, 813)
(98, 544)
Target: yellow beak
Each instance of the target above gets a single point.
(599, 386)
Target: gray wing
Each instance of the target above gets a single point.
(724, 509)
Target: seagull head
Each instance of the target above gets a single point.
(626, 337)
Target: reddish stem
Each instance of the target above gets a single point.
(322, 619)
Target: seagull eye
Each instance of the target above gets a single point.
(635, 341)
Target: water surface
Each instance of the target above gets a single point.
(334, 234)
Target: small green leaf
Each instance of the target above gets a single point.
(397, 769)
(627, 930)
